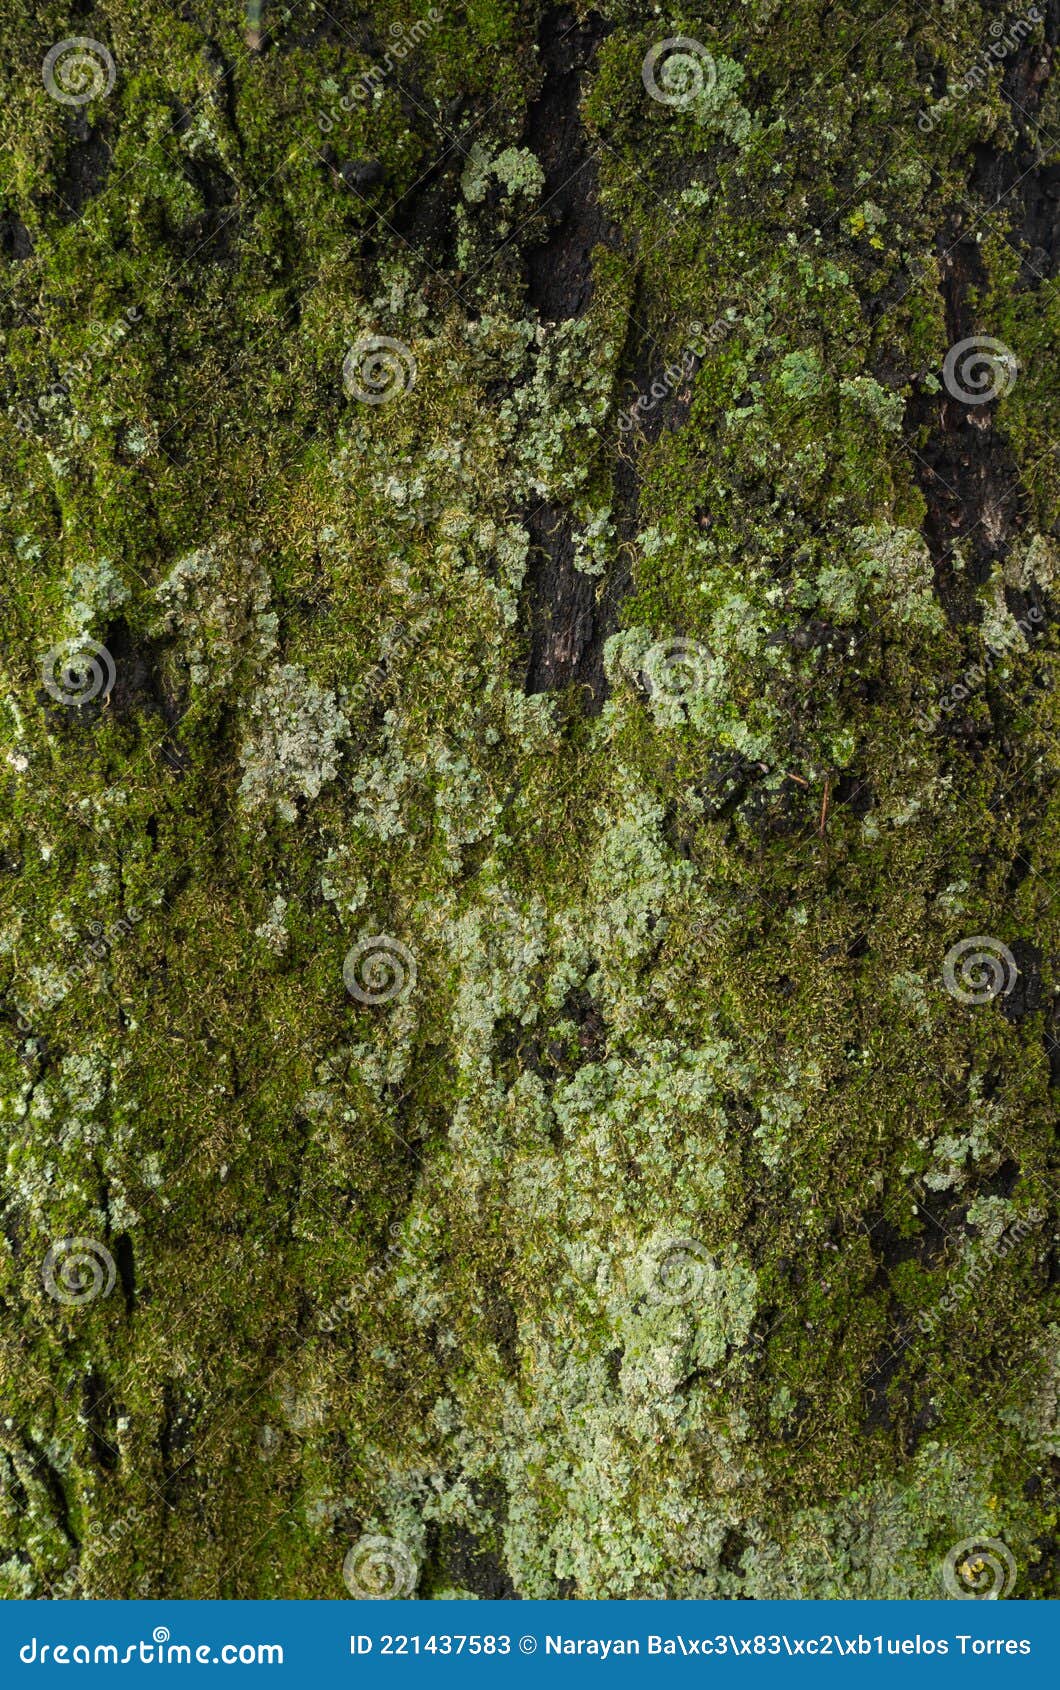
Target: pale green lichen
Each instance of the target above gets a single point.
(291, 751)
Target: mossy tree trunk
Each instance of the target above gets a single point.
(530, 911)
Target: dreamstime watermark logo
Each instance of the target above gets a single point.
(379, 969)
(980, 1569)
(78, 1270)
(978, 672)
(981, 1270)
(978, 969)
(403, 40)
(373, 681)
(379, 1569)
(377, 368)
(78, 671)
(700, 341)
(393, 1256)
(160, 1650)
(678, 71)
(103, 339)
(979, 369)
(78, 70)
(105, 1540)
(100, 941)
(677, 1270)
(676, 668)
(977, 75)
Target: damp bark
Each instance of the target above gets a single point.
(562, 604)
(976, 503)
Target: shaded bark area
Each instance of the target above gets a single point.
(966, 471)
(1020, 182)
(559, 271)
(975, 503)
(563, 644)
(566, 626)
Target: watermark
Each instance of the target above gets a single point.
(976, 674)
(977, 75)
(678, 71)
(78, 671)
(96, 947)
(979, 969)
(701, 340)
(78, 70)
(351, 1300)
(403, 39)
(379, 969)
(981, 1269)
(78, 1270)
(377, 368)
(979, 1569)
(372, 683)
(677, 1270)
(675, 668)
(159, 1651)
(67, 1585)
(379, 1569)
(103, 338)
(979, 370)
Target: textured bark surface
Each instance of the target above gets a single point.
(530, 902)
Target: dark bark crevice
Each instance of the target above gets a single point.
(966, 471)
(559, 270)
(568, 612)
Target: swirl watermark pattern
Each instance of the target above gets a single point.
(379, 969)
(677, 1270)
(978, 969)
(676, 668)
(78, 671)
(678, 71)
(378, 368)
(379, 1569)
(978, 370)
(979, 1569)
(78, 1270)
(78, 70)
